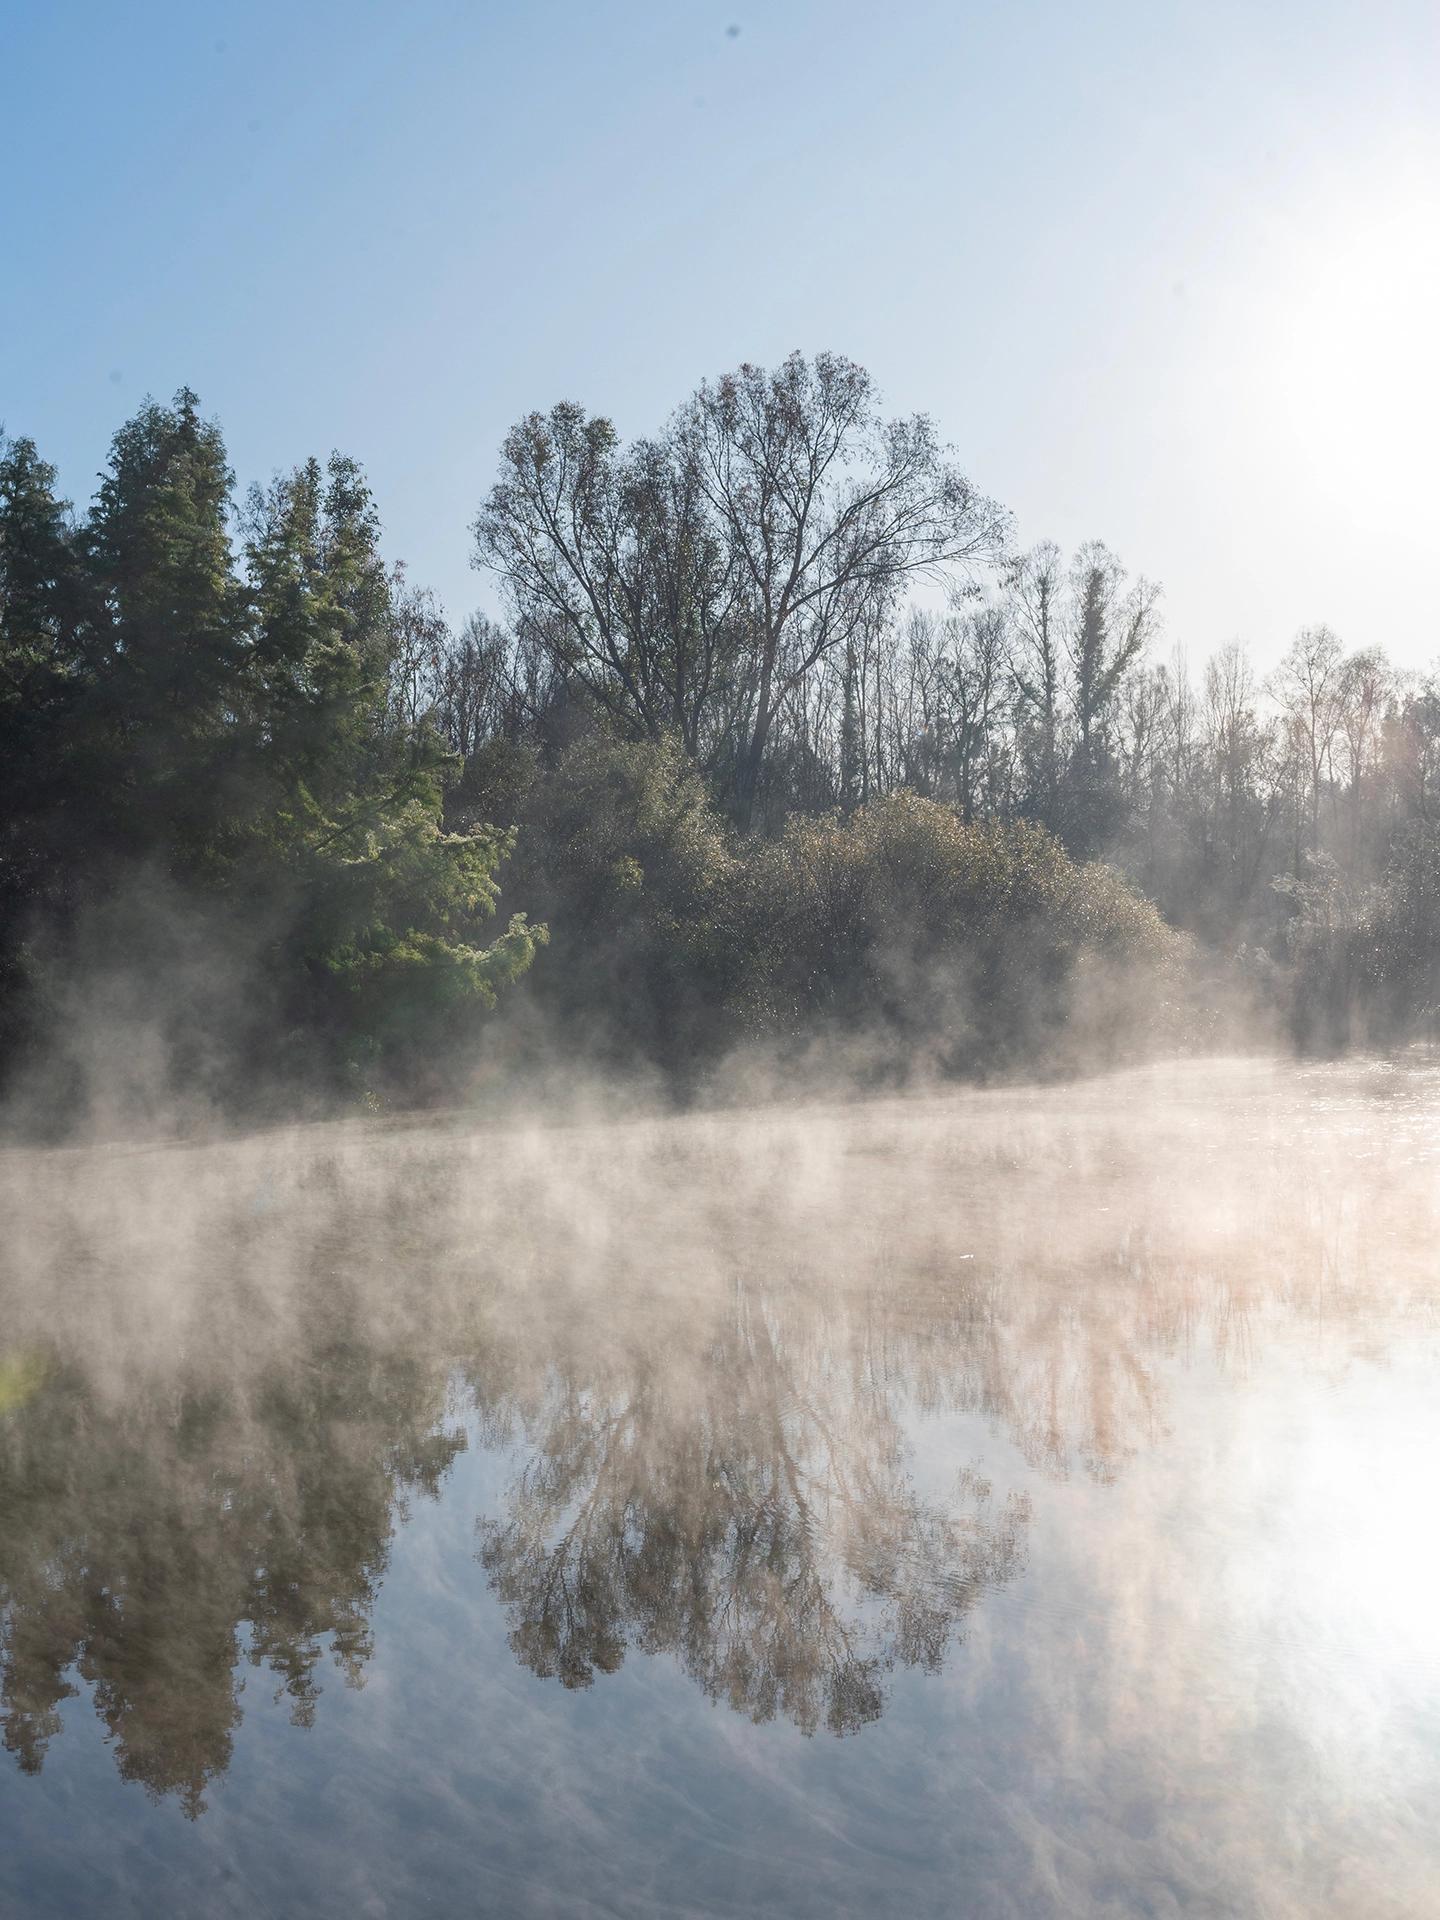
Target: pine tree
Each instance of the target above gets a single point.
(384, 936)
(169, 646)
(210, 754)
(40, 679)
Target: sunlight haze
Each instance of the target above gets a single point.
(1165, 276)
(719, 961)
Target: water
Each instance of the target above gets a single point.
(1006, 1503)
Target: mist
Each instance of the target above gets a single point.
(756, 1239)
(966, 1415)
(832, 784)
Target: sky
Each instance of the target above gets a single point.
(1165, 275)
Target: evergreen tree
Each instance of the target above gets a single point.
(39, 578)
(168, 650)
(40, 621)
(387, 907)
(207, 752)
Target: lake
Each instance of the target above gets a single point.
(1018, 1502)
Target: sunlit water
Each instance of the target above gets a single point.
(1009, 1503)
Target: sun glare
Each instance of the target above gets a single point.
(1351, 357)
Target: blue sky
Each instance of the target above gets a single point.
(1166, 275)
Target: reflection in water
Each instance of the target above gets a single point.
(138, 1539)
(744, 1508)
(749, 1511)
(703, 1348)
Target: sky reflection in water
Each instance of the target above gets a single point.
(412, 1517)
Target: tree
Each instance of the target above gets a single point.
(1367, 687)
(41, 602)
(1412, 749)
(231, 759)
(1035, 589)
(612, 562)
(1111, 623)
(1079, 633)
(979, 657)
(1245, 790)
(691, 585)
(40, 596)
(828, 512)
(1308, 685)
(386, 905)
(475, 695)
(168, 651)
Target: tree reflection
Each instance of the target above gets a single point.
(738, 1497)
(747, 1508)
(706, 1346)
(742, 1503)
(154, 1549)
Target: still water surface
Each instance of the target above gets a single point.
(1007, 1503)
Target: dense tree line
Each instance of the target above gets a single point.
(784, 735)
(1288, 821)
(204, 766)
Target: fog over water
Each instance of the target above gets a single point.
(1015, 1502)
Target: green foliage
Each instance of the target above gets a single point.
(223, 777)
(40, 683)
(390, 963)
(39, 576)
(624, 855)
(1365, 963)
(178, 719)
(165, 647)
(975, 943)
(966, 945)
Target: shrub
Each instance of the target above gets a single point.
(902, 928)
(973, 944)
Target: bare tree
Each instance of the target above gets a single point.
(1036, 588)
(828, 512)
(978, 665)
(1367, 685)
(474, 691)
(1412, 749)
(614, 562)
(917, 719)
(1111, 624)
(420, 640)
(1245, 761)
(1307, 684)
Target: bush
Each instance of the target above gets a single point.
(973, 945)
(903, 928)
